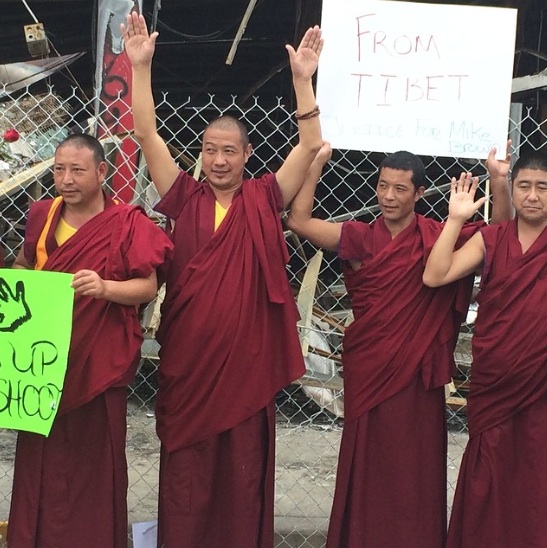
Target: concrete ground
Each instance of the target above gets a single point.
(306, 460)
(305, 475)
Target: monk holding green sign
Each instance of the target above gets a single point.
(70, 488)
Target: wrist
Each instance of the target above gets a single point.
(499, 179)
(106, 290)
(455, 221)
(142, 68)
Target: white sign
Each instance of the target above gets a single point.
(431, 79)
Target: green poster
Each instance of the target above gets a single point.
(35, 328)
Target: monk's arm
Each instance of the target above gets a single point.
(129, 292)
(303, 62)
(21, 261)
(444, 265)
(321, 233)
(498, 171)
(140, 47)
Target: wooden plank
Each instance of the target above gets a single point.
(23, 179)
(320, 380)
(456, 404)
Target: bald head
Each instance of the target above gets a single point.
(229, 123)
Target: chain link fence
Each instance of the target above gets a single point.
(310, 412)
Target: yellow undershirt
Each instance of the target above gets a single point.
(220, 213)
(64, 231)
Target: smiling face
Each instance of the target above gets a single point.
(78, 176)
(397, 196)
(224, 155)
(530, 196)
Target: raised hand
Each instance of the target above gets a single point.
(462, 195)
(499, 169)
(304, 60)
(139, 45)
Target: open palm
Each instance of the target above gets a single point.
(305, 59)
(462, 203)
(139, 45)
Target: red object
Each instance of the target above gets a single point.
(117, 117)
(510, 371)
(398, 354)
(228, 334)
(137, 249)
(396, 452)
(11, 135)
(232, 503)
(85, 452)
(401, 327)
(501, 496)
(229, 343)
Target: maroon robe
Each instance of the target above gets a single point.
(70, 488)
(501, 497)
(229, 343)
(398, 354)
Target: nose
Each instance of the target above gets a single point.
(532, 195)
(64, 177)
(220, 159)
(390, 194)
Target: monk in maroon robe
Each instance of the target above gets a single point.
(398, 354)
(228, 334)
(501, 496)
(70, 488)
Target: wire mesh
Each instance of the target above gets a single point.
(309, 412)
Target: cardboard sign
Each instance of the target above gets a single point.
(35, 329)
(427, 78)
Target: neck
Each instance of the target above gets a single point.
(224, 196)
(77, 215)
(528, 229)
(396, 227)
(528, 233)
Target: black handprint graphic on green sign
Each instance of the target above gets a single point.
(14, 309)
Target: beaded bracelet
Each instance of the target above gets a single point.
(307, 115)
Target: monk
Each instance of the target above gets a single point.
(69, 489)
(228, 332)
(397, 357)
(501, 496)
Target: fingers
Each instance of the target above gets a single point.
(480, 202)
(324, 154)
(291, 52)
(135, 25)
(312, 40)
(465, 183)
(87, 282)
(462, 205)
(492, 154)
